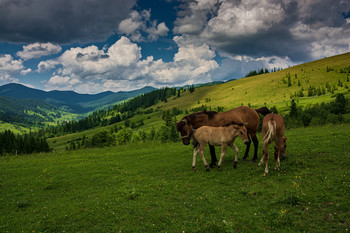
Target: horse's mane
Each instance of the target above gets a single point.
(232, 123)
(193, 116)
(263, 111)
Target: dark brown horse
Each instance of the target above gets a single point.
(243, 115)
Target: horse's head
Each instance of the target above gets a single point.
(242, 132)
(185, 129)
(283, 147)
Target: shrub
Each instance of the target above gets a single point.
(124, 135)
(102, 139)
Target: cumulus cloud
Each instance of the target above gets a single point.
(299, 30)
(24, 72)
(121, 67)
(61, 21)
(37, 50)
(10, 65)
(139, 24)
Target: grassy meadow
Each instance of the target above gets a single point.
(151, 188)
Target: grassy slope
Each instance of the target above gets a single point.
(268, 88)
(259, 90)
(147, 188)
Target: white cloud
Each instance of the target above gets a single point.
(24, 72)
(324, 41)
(120, 67)
(8, 64)
(47, 65)
(140, 23)
(246, 18)
(37, 50)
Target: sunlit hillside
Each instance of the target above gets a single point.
(271, 89)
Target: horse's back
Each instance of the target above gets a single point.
(278, 124)
(245, 115)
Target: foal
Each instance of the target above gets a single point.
(216, 136)
(273, 130)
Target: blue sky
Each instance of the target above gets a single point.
(117, 45)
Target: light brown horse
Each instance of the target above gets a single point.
(243, 115)
(273, 131)
(217, 136)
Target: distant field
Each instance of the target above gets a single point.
(152, 188)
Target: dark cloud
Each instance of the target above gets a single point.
(300, 30)
(62, 21)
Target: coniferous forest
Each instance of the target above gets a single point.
(22, 144)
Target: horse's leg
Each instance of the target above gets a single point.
(195, 152)
(213, 156)
(262, 159)
(277, 158)
(266, 155)
(234, 147)
(223, 151)
(256, 145)
(201, 152)
(247, 148)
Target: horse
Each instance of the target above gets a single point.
(242, 114)
(273, 130)
(218, 136)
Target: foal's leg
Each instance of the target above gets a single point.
(223, 151)
(234, 147)
(213, 156)
(201, 152)
(256, 145)
(195, 152)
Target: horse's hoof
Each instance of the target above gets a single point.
(219, 168)
(265, 174)
(212, 165)
(207, 169)
(235, 165)
(195, 169)
(253, 160)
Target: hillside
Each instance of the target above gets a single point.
(22, 108)
(272, 89)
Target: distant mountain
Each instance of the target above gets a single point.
(70, 101)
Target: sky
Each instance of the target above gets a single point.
(92, 46)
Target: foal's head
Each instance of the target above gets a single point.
(185, 130)
(241, 132)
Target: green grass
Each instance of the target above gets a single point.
(151, 188)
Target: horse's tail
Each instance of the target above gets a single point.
(263, 111)
(270, 133)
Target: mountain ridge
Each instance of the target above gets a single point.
(70, 101)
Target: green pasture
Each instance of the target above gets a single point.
(151, 188)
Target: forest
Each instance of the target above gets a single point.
(22, 144)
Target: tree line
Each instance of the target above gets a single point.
(22, 144)
(115, 114)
